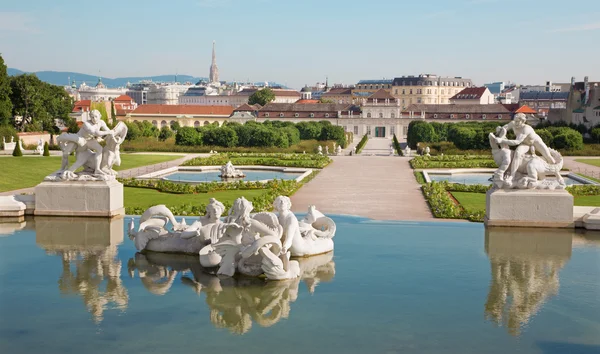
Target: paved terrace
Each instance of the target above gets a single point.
(377, 187)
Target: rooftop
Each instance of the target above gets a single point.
(183, 109)
(543, 95)
(470, 93)
(375, 82)
(458, 108)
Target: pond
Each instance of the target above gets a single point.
(78, 285)
(480, 178)
(212, 176)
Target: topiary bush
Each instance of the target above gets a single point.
(46, 149)
(17, 151)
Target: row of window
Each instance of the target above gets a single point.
(468, 116)
(165, 124)
(392, 115)
(427, 91)
(434, 83)
(281, 115)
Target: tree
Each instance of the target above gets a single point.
(188, 136)
(568, 139)
(6, 106)
(175, 126)
(595, 133)
(17, 151)
(419, 131)
(165, 133)
(325, 100)
(309, 130)
(222, 136)
(101, 107)
(262, 97)
(46, 149)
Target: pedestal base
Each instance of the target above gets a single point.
(79, 198)
(529, 207)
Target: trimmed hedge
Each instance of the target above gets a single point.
(453, 161)
(396, 145)
(443, 206)
(285, 160)
(361, 144)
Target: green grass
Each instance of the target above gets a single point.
(591, 162)
(25, 172)
(471, 201)
(588, 177)
(145, 198)
(588, 200)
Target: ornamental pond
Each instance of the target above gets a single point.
(78, 285)
(485, 178)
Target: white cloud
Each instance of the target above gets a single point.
(17, 22)
(586, 27)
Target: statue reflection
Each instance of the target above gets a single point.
(525, 266)
(234, 303)
(90, 267)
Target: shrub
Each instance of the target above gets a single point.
(396, 145)
(6, 131)
(545, 135)
(188, 136)
(222, 136)
(17, 151)
(46, 149)
(165, 133)
(420, 131)
(309, 130)
(133, 131)
(361, 144)
(568, 139)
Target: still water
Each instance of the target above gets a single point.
(210, 176)
(78, 286)
(480, 178)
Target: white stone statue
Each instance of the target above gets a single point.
(320, 150)
(326, 149)
(250, 244)
(427, 151)
(407, 151)
(391, 150)
(154, 235)
(12, 139)
(338, 150)
(228, 171)
(40, 147)
(354, 150)
(522, 168)
(96, 160)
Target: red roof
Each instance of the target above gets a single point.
(183, 109)
(307, 101)
(124, 98)
(381, 94)
(280, 92)
(83, 105)
(470, 93)
(526, 110)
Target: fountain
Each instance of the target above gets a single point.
(228, 171)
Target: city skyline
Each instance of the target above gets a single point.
(303, 42)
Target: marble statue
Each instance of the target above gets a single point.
(39, 149)
(228, 171)
(326, 149)
(338, 150)
(407, 151)
(154, 235)
(391, 150)
(523, 168)
(320, 150)
(89, 154)
(12, 139)
(354, 150)
(249, 244)
(427, 151)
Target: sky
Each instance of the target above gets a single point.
(298, 42)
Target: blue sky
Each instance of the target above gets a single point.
(299, 42)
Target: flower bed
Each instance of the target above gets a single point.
(284, 160)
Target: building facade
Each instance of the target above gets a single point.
(427, 89)
(99, 92)
(166, 93)
(473, 95)
(186, 115)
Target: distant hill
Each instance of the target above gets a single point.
(61, 78)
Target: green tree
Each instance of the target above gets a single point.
(595, 133)
(309, 130)
(165, 133)
(262, 97)
(325, 100)
(222, 136)
(546, 136)
(419, 131)
(101, 107)
(46, 149)
(188, 136)
(133, 131)
(568, 139)
(17, 151)
(175, 126)
(6, 105)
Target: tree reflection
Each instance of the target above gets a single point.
(90, 267)
(234, 303)
(525, 266)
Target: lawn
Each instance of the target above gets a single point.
(145, 197)
(476, 201)
(24, 172)
(592, 162)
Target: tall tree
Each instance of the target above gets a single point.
(5, 103)
(262, 97)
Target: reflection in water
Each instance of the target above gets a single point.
(90, 267)
(525, 272)
(235, 303)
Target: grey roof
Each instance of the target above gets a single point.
(543, 95)
(195, 91)
(429, 80)
(374, 82)
(457, 108)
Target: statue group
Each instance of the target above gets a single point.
(522, 167)
(97, 161)
(250, 244)
(228, 171)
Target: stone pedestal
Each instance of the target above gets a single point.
(79, 198)
(529, 207)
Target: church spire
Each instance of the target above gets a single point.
(214, 70)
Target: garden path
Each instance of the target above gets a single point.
(377, 146)
(580, 167)
(377, 187)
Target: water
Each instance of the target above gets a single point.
(210, 176)
(73, 286)
(479, 178)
